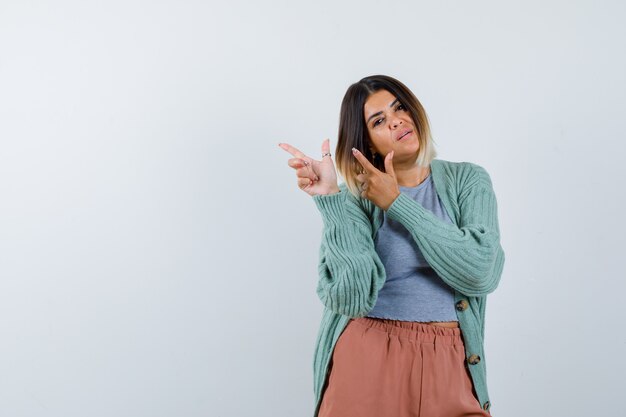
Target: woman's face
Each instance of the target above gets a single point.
(387, 122)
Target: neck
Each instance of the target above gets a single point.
(410, 176)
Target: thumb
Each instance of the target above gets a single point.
(389, 164)
(325, 146)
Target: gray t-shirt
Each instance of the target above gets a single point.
(413, 291)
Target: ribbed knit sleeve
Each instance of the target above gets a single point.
(469, 257)
(350, 270)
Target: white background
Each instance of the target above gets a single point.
(157, 258)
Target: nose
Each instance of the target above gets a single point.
(396, 122)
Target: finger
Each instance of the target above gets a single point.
(389, 164)
(367, 165)
(326, 147)
(292, 150)
(361, 177)
(306, 173)
(297, 162)
(303, 168)
(304, 182)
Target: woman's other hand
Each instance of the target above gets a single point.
(381, 188)
(314, 177)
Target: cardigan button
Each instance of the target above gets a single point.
(473, 359)
(462, 305)
(486, 406)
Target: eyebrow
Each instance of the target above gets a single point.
(380, 112)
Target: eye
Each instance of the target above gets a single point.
(398, 107)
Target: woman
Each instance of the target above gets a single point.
(410, 249)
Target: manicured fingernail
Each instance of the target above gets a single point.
(354, 151)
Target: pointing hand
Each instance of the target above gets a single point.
(314, 177)
(381, 188)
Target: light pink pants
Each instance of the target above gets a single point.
(392, 368)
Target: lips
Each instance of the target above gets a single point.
(404, 133)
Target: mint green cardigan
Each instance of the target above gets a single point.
(466, 254)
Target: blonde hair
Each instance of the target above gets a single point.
(353, 131)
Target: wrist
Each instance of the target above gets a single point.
(331, 190)
(397, 194)
(334, 190)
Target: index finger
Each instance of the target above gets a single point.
(292, 150)
(367, 165)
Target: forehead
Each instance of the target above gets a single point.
(378, 101)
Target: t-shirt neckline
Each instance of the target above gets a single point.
(418, 186)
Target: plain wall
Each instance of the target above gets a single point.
(157, 258)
